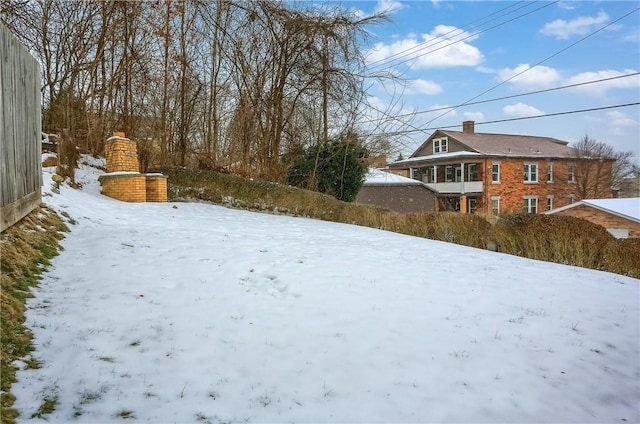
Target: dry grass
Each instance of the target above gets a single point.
(26, 250)
(50, 161)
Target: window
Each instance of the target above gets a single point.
(440, 145)
(458, 173)
(472, 205)
(434, 174)
(572, 199)
(449, 173)
(549, 203)
(531, 204)
(472, 172)
(495, 173)
(572, 173)
(530, 172)
(495, 205)
(412, 173)
(549, 172)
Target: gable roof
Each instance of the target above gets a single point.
(506, 144)
(628, 208)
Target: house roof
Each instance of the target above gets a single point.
(507, 144)
(379, 177)
(628, 208)
(512, 144)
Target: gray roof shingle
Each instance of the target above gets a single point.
(512, 144)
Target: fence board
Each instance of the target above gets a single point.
(20, 130)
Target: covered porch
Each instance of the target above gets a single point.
(451, 178)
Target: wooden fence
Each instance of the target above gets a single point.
(20, 131)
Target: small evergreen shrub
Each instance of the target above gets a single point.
(336, 168)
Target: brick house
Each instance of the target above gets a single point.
(621, 217)
(396, 193)
(504, 173)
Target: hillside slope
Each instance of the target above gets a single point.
(191, 312)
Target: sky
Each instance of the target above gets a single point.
(454, 52)
(197, 313)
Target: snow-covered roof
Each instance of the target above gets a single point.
(379, 177)
(438, 156)
(627, 207)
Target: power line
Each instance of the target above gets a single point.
(426, 43)
(420, 112)
(415, 129)
(546, 115)
(537, 64)
(459, 40)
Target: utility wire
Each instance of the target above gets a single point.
(537, 64)
(546, 115)
(420, 112)
(459, 40)
(426, 43)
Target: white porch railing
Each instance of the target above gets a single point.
(458, 187)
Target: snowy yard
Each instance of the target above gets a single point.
(196, 313)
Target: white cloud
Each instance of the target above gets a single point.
(567, 5)
(599, 89)
(486, 70)
(582, 25)
(421, 86)
(521, 110)
(535, 78)
(441, 48)
(632, 37)
(388, 6)
(474, 116)
(436, 4)
(542, 77)
(620, 122)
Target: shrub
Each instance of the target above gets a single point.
(554, 238)
(465, 229)
(622, 256)
(336, 168)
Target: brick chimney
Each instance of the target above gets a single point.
(469, 127)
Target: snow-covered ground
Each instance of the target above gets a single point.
(196, 313)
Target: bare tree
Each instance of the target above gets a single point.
(599, 168)
(246, 85)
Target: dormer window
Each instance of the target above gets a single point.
(440, 145)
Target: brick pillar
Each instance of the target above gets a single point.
(121, 154)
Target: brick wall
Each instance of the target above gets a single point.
(512, 188)
(125, 187)
(605, 219)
